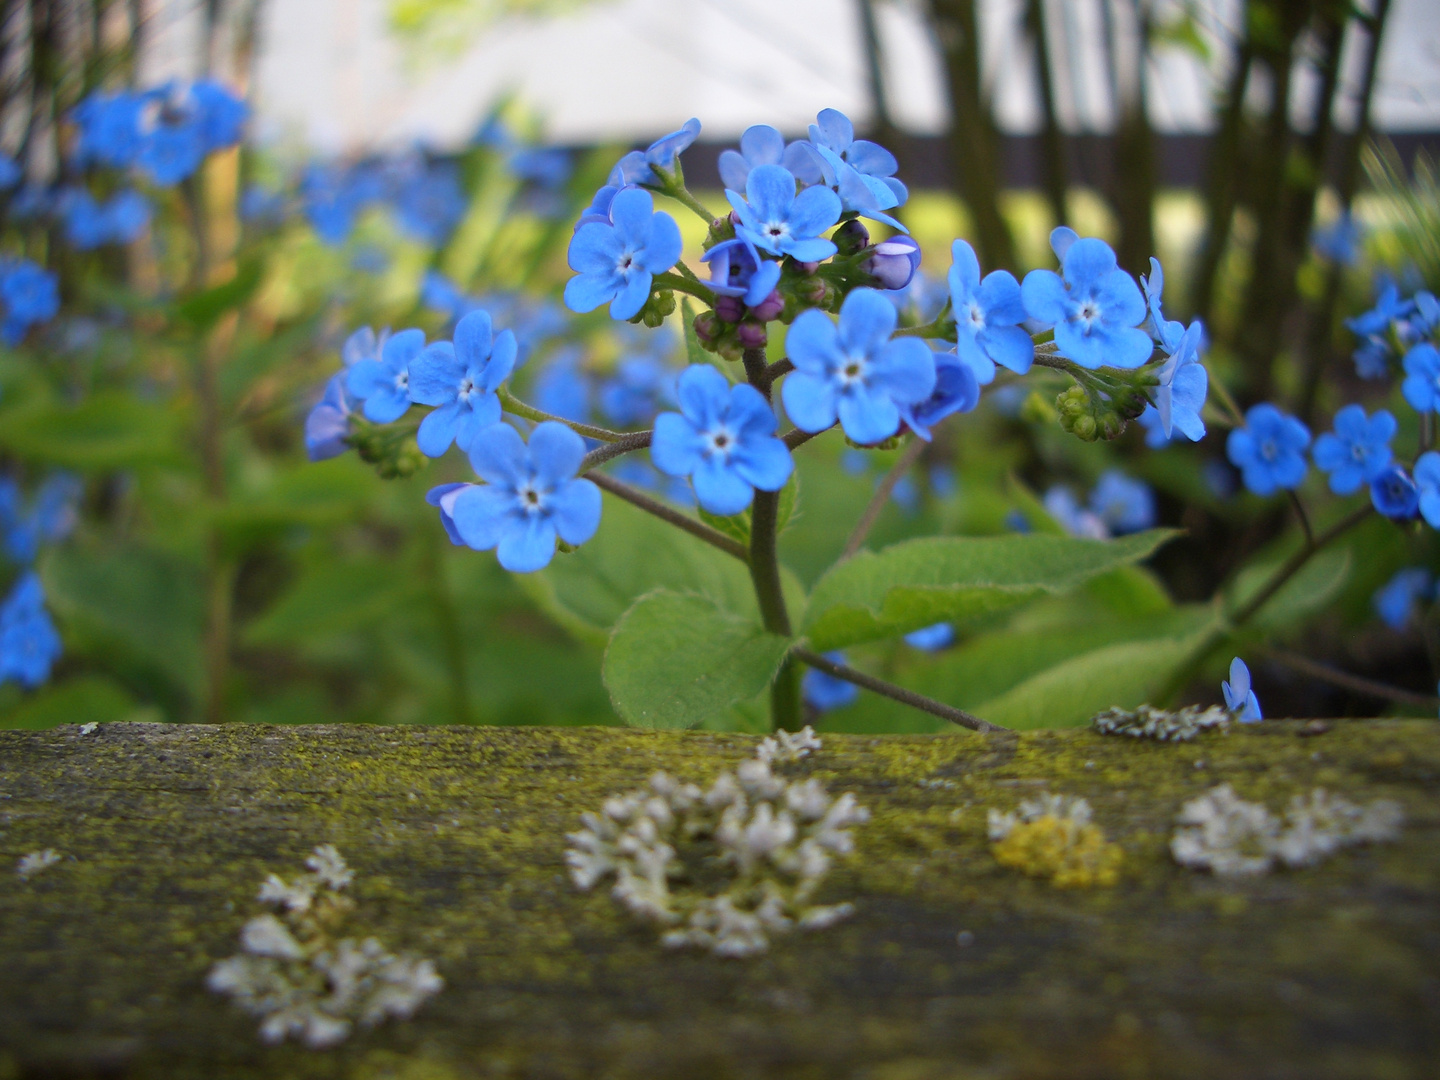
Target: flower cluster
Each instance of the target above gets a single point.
(776, 840)
(1222, 833)
(1395, 601)
(1118, 504)
(1054, 837)
(29, 295)
(29, 643)
(1162, 725)
(301, 980)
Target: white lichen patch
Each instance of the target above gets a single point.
(1163, 725)
(1055, 837)
(766, 844)
(294, 972)
(36, 862)
(1228, 836)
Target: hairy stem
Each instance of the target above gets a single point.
(683, 196)
(1369, 687)
(697, 529)
(679, 283)
(902, 465)
(514, 405)
(636, 440)
(896, 693)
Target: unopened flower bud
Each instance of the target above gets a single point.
(730, 309)
(894, 262)
(851, 237)
(751, 334)
(768, 308)
(1085, 428)
(814, 291)
(707, 328)
(808, 267)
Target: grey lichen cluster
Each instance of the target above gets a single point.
(1164, 725)
(295, 975)
(36, 862)
(773, 841)
(1228, 836)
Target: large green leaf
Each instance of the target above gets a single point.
(676, 660)
(587, 590)
(134, 609)
(108, 430)
(1068, 694)
(332, 598)
(921, 582)
(85, 699)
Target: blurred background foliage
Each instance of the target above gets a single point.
(214, 573)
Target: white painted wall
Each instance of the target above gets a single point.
(329, 76)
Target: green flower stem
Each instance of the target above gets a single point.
(512, 404)
(1303, 516)
(903, 464)
(896, 693)
(795, 437)
(690, 275)
(682, 195)
(636, 440)
(678, 283)
(1228, 402)
(942, 327)
(785, 711)
(697, 529)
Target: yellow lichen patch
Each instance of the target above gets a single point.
(1072, 856)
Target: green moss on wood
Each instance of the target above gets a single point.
(457, 839)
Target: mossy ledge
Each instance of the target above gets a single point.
(457, 839)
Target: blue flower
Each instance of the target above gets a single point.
(89, 225)
(1357, 451)
(1166, 333)
(1269, 450)
(655, 166)
(330, 203)
(1184, 383)
(1339, 241)
(219, 114)
(1427, 481)
(1422, 378)
(530, 496)
(775, 219)
(129, 213)
(460, 381)
(172, 152)
(30, 295)
(52, 515)
(893, 262)
(599, 208)
(640, 384)
(1372, 358)
(736, 269)
(825, 692)
(549, 168)
(562, 389)
(1096, 308)
(931, 638)
(328, 424)
(1394, 494)
(860, 172)
(443, 499)
(763, 145)
(1240, 699)
(1395, 600)
(1155, 436)
(1061, 504)
(723, 438)
(10, 172)
(1123, 503)
(854, 371)
(1426, 319)
(108, 127)
(1388, 308)
(384, 383)
(987, 316)
(439, 293)
(956, 390)
(430, 205)
(29, 645)
(617, 262)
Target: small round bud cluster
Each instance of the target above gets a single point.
(851, 238)
(660, 305)
(394, 454)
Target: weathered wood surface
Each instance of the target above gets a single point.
(457, 838)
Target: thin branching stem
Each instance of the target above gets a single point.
(698, 529)
(1369, 687)
(683, 196)
(1303, 516)
(896, 693)
(636, 440)
(903, 464)
(512, 404)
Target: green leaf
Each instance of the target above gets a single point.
(587, 590)
(1068, 694)
(136, 610)
(1312, 588)
(921, 582)
(84, 700)
(332, 598)
(108, 430)
(674, 661)
(203, 309)
(694, 352)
